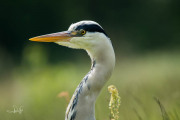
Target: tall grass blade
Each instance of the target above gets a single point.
(139, 117)
(163, 111)
(176, 115)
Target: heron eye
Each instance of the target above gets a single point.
(83, 32)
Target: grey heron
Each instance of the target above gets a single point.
(90, 36)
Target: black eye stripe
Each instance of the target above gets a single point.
(90, 28)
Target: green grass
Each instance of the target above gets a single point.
(36, 84)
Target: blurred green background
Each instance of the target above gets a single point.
(146, 39)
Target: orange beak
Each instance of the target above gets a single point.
(54, 37)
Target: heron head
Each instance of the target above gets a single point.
(82, 35)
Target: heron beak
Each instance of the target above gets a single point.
(64, 36)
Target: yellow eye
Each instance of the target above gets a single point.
(83, 32)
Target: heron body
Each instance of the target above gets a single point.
(90, 36)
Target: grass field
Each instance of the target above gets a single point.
(35, 85)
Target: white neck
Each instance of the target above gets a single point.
(82, 104)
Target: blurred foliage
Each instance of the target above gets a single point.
(36, 86)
